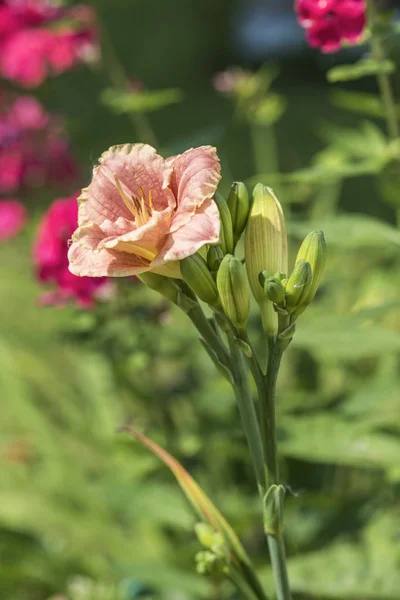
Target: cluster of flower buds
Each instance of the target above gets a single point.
(215, 558)
(216, 276)
(222, 280)
(291, 296)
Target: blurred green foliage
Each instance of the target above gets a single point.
(85, 513)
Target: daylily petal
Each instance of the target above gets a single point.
(85, 262)
(203, 228)
(138, 167)
(152, 234)
(194, 179)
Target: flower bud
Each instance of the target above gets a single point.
(233, 291)
(275, 290)
(313, 250)
(208, 537)
(239, 206)
(265, 248)
(163, 285)
(298, 285)
(214, 258)
(226, 234)
(196, 274)
(209, 563)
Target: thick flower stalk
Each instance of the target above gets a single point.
(331, 23)
(143, 213)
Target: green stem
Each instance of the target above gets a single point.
(260, 381)
(266, 386)
(209, 335)
(274, 361)
(246, 593)
(247, 412)
(385, 88)
(276, 545)
(278, 561)
(264, 149)
(120, 81)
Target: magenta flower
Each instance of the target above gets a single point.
(33, 148)
(12, 218)
(330, 23)
(38, 39)
(51, 260)
(143, 213)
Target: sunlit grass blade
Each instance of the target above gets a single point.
(205, 509)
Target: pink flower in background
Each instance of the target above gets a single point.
(12, 218)
(330, 23)
(50, 257)
(231, 80)
(38, 39)
(143, 213)
(33, 148)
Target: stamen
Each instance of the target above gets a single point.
(125, 198)
(138, 208)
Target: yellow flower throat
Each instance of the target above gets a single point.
(140, 208)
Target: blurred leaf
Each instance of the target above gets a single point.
(141, 101)
(360, 102)
(352, 232)
(269, 110)
(347, 570)
(389, 184)
(362, 68)
(345, 338)
(333, 439)
(362, 142)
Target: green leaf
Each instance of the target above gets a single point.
(332, 439)
(337, 338)
(140, 102)
(369, 569)
(362, 68)
(352, 232)
(269, 110)
(200, 502)
(360, 102)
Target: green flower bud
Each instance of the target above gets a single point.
(214, 258)
(298, 285)
(226, 234)
(239, 206)
(275, 290)
(265, 248)
(205, 534)
(210, 539)
(161, 284)
(209, 563)
(313, 250)
(233, 290)
(196, 274)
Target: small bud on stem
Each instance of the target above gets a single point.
(196, 274)
(239, 206)
(233, 291)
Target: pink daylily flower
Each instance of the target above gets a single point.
(144, 213)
